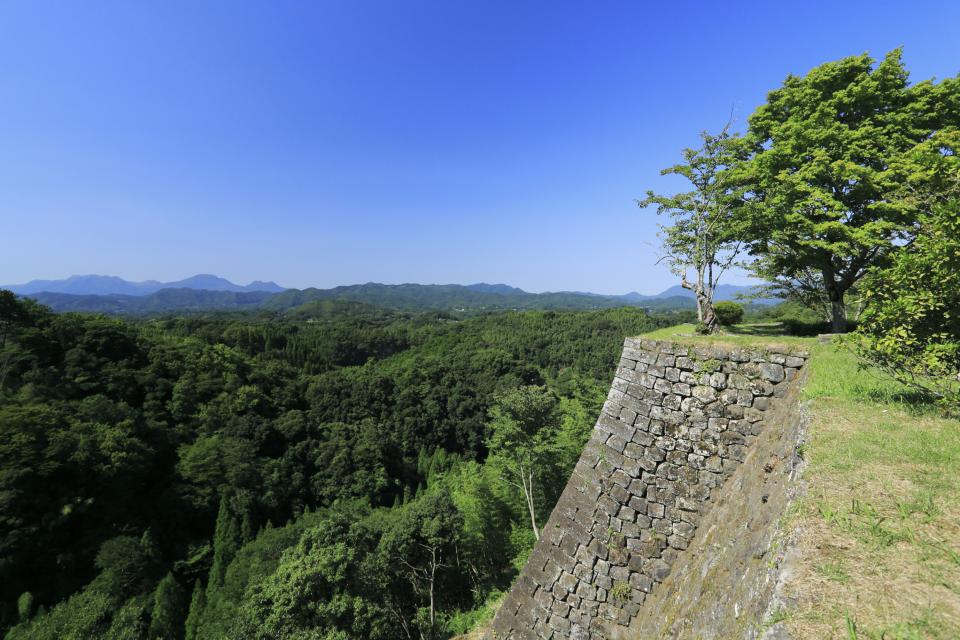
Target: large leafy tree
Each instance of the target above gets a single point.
(704, 236)
(822, 163)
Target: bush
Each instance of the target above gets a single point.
(25, 606)
(728, 313)
(910, 326)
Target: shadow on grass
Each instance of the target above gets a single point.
(912, 400)
(764, 329)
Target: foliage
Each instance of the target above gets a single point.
(523, 438)
(821, 163)
(25, 606)
(728, 313)
(166, 620)
(142, 459)
(910, 326)
(705, 233)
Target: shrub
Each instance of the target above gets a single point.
(798, 327)
(728, 313)
(910, 326)
(25, 606)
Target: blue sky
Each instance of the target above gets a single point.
(326, 143)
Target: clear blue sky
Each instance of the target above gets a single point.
(325, 143)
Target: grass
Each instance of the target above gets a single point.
(878, 532)
(473, 624)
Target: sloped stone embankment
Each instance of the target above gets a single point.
(678, 423)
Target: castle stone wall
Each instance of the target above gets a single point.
(677, 423)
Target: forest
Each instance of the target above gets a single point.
(346, 475)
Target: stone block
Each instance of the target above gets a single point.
(704, 394)
(771, 371)
(657, 569)
(616, 442)
(673, 427)
(794, 361)
(718, 380)
(666, 360)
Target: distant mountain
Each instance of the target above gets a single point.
(723, 292)
(162, 301)
(306, 303)
(112, 285)
(440, 297)
(504, 289)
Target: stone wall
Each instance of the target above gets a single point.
(677, 423)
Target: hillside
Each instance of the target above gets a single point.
(163, 301)
(459, 299)
(186, 460)
(116, 296)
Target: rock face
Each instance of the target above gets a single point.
(678, 422)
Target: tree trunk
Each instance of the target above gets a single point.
(838, 319)
(709, 318)
(433, 573)
(835, 294)
(528, 494)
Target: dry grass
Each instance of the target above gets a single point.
(879, 529)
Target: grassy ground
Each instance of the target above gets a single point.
(878, 533)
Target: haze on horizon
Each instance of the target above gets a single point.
(419, 142)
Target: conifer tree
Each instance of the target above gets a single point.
(197, 604)
(166, 621)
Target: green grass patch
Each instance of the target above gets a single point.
(833, 571)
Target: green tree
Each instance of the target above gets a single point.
(523, 440)
(910, 326)
(197, 602)
(703, 234)
(12, 313)
(315, 590)
(417, 552)
(25, 606)
(728, 313)
(166, 621)
(227, 538)
(125, 565)
(822, 163)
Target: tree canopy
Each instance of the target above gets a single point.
(244, 476)
(821, 166)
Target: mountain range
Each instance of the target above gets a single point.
(108, 294)
(112, 285)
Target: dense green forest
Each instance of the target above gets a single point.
(340, 474)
